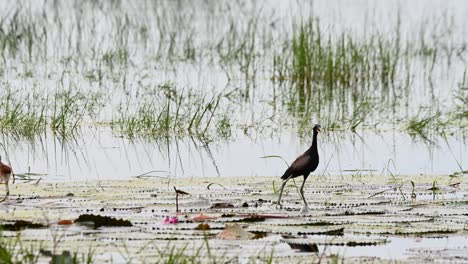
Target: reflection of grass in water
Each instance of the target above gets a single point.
(239, 46)
(461, 101)
(113, 58)
(17, 35)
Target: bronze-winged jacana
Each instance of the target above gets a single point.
(302, 166)
(5, 174)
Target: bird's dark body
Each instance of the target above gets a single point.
(302, 166)
(4, 169)
(5, 174)
(305, 163)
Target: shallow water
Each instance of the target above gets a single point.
(102, 156)
(77, 41)
(404, 247)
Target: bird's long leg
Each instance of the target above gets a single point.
(7, 192)
(302, 192)
(281, 192)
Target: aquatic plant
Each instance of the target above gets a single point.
(169, 113)
(14, 250)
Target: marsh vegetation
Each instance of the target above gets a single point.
(190, 74)
(125, 66)
(94, 90)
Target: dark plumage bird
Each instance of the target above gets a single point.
(5, 174)
(302, 166)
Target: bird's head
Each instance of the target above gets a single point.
(317, 128)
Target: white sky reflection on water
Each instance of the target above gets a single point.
(102, 156)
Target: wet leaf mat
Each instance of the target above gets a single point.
(235, 220)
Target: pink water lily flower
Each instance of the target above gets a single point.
(171, 220)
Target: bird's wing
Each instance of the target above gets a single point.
(299, 164)
(286, 174)
(5, 168)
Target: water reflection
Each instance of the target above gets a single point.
(98, 155)
(402, 247)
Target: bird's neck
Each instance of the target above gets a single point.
(313, 149)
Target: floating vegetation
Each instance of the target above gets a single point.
(201, 217)
(327, 224)
(363, 213)
(21, 224)
(99, 221)
(203, 227)
(253, 218)
(235, 232)
(303, 247)
(222, 205)
(320, 223)
(336, 241)
(65, 222)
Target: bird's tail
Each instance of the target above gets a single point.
(286, 175)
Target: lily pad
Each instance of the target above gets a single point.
(21, 224)
(235, 232)
(99, 220)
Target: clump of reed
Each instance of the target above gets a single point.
(343, 78)
(31, 116)
(169, 113)
(348, 80)
(22, 117)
